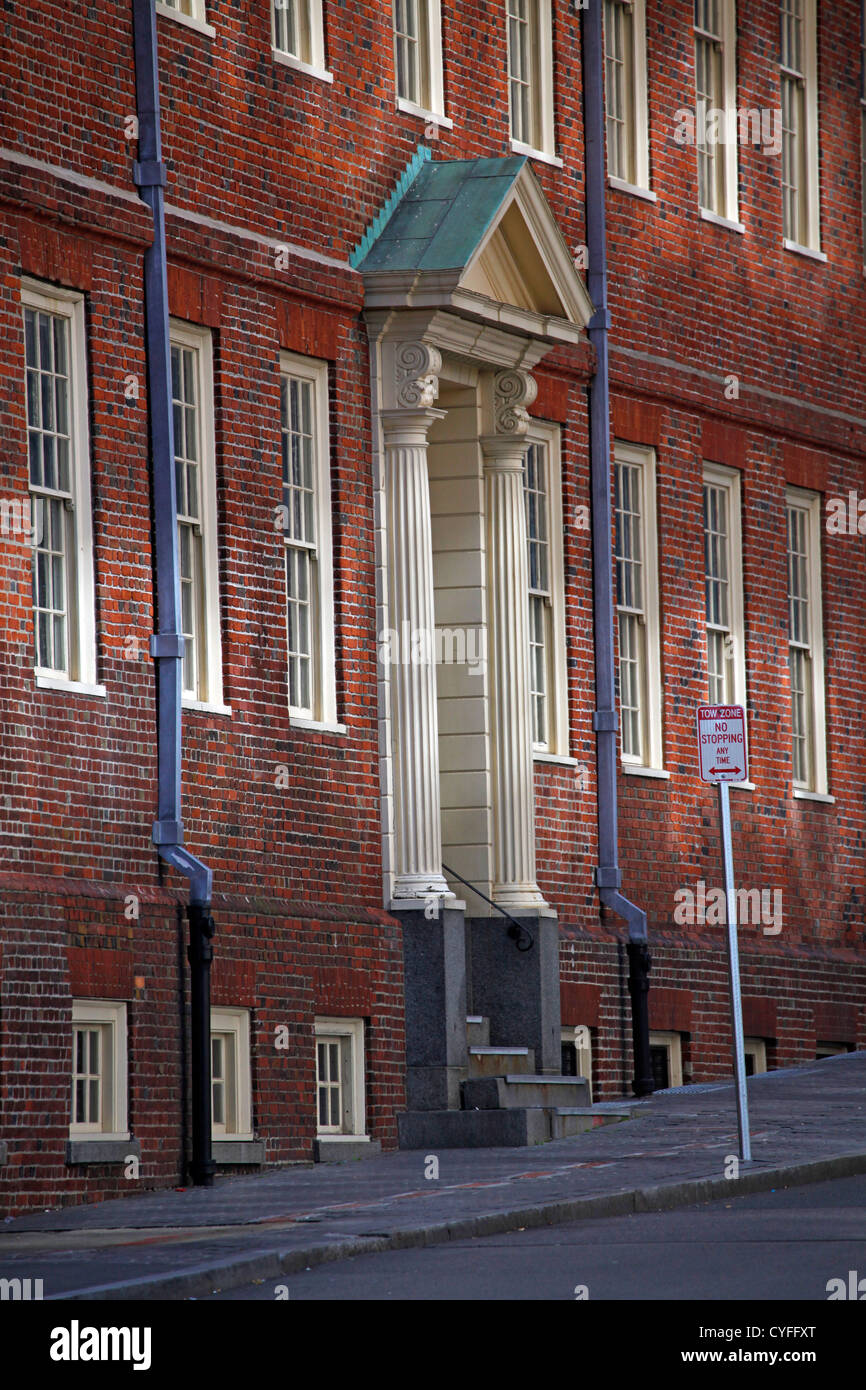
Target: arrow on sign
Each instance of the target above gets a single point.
(735, 770)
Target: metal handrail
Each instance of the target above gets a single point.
(517, 931)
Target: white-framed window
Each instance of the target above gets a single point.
(806, 641)
(542, 490)
(577, 1053)
(530, 76)
(298, 35)
(58, 448)
(637, 607)
(195, 491)
(716, 106)
(666, 1059)
(417, 27)
(306, 518)
(192, 13)
(340, 1101)
(755, 1050)
(798, 75)
(625, 91)
(193, 9)
(831, 1049)
(98, 1107)
(231, 1112)
(723, 587)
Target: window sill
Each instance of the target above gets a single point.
(343, 1148)
(540, 755)
(718, 221)
(519, 148)
(187, 20)
(803, 250)
(412, 109)
(800, 794)
(288, 60)
(638, 770)
(743, 786)
(204, 708)
(322, 726)
(102, 1148)
(238, 1150)
(46, 681)
(635, 189)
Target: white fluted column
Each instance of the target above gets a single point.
(508, 645)
(414, 722)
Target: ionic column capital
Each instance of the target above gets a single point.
(513, 390)
(411, 375)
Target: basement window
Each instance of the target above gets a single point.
(831, 1049)
(666, 1058)
(231, 1116)
(99, 1070)
(577, 1053)
(755, 1056)
(340, 1104)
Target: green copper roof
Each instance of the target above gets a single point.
(437, 215)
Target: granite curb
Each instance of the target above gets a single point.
(201, 1280)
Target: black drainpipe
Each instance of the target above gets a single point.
(608, 875)
(167, 643)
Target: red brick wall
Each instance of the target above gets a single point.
(259, 156)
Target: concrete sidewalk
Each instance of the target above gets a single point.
(807, 1123)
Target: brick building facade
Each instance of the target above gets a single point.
(313, 161)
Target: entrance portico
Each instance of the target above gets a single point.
(468, 284)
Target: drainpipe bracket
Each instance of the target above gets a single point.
(169, 644)
(167, 832)
(600, 319)
(149, 173)
(608, 876)
(605, 721)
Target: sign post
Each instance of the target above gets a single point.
(724, 758)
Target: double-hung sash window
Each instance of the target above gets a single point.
(194, 9)
(99, 1069)
(530, 75)
(540, 607)
(231, 1116)
(195, 496)
(297, 33)
(60, 527)
(417, 26)
(306, 526)
(799, 100)
(625, 86)
(638, 607)
(723, 588)
(805, 641)
(716, 106)
(340, 1101)
(546, 616)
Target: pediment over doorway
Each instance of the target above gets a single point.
(476, 237)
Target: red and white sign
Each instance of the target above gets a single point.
(722, 743)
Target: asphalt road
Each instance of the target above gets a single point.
(783, 1245)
